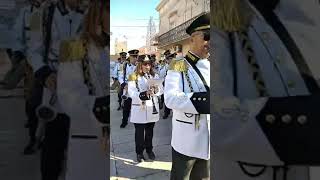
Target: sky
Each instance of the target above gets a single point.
(129, 20)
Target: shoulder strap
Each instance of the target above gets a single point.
(234, 64)
(137, 85)
(182, 76)
(200, 75)
(273, 20)
(124, 72)
(47, 29)
(86, 72)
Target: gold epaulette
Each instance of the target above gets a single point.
(231, 15)
(133, 77)
(72, 50)
(178, 65)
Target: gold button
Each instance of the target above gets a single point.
(302, 119)
(199, 99)
(98, 109)
(291, 84)
(104, 108)
(270, 118)
(204, 99)
(286, 118)
(194, 99)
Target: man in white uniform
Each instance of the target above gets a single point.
(187, 93)
(129, 68)
(116, 73)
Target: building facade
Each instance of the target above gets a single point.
(120, 46)
(175, 17)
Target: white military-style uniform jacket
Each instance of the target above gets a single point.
(66, 24)
(27, 28)
(85, 157)
(124, 76)
(163, 70)
(187, 94)
(117, 69)
(137, 87)
(243, 119)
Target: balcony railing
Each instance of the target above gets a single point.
(175, 35)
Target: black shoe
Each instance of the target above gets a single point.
(151, 155)
(165, 116)
(123, 125)
(29, 149)
(119, 108)
(140, 158)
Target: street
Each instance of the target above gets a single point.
(13, 136)
(122, 150)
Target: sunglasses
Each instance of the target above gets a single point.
(206, 35)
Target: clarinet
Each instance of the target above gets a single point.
(153, 104)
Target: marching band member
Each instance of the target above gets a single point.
(266, 86)
(61, 20)
(163, 73)
(145, 107)
(187, 93)
(128, 69)
(83, 91)
(116, 73)
(27, 28)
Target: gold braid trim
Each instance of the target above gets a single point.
(178, 65)
(231, 15)
(133, 77)
(72, 50)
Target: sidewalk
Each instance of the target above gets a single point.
(13, 136)
(123, 161)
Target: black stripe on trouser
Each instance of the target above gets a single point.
(287, 40)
